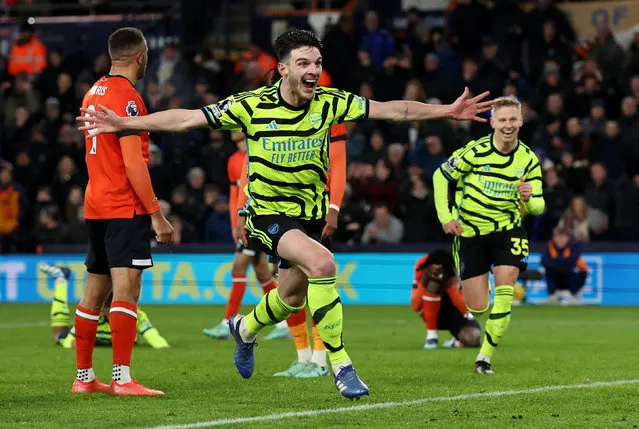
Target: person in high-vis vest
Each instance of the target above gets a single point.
(28, 55)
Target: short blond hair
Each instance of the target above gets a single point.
(508, 101)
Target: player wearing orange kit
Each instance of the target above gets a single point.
(246, 254)
(440, 303)
(120, 208)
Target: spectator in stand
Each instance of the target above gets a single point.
(353, 217)
(468, 23)
(599, 195)
(13, 209)
(340, 50)
(28, 55)
(384, 228)
(565, 269)
(22, 94)
(375, 40)
(626, 197)
(218, 225)
(160, 177)
(582, 109)
(417, 209)
(50, 230)
(171, 68)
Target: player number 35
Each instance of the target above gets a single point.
(520, 246)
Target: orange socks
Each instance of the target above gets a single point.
(238, 289)
(297, 325)
(86, 327)
(268, 285)
(431, 306)
(123, 320)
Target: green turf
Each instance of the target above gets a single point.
(544, 347)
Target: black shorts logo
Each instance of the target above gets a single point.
(273, 229)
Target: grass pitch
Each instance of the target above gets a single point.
(572, 348)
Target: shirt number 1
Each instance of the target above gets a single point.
(94, 140)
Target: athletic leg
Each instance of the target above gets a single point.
(87, 314)
(268, 283)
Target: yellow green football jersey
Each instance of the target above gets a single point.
(287, 146)
(486, 197)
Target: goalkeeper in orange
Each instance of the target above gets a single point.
(311, 362)
(439, 301)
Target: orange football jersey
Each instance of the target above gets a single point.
(109, 195)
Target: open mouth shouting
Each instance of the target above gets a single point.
(508, 132)
(309, 84)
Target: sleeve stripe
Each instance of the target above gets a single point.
(126, 133)
(446, 175)
(210, 118)
(347, 109)
(537, 195)
(339, 137)
(366, 109)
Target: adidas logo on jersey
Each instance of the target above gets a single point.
(272, 125)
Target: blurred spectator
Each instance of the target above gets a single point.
(608, 54)
(384, 228)
(353, 217)
(579, 105)
(75, 201)
(66, 177)
(99, 68)
(49, 77)
(545, 11)
(171, 68)
(468, 23)
(183, 232)
(377, 41)
(257, 58)
(417, 209)
(599, 196)
(50, 229)
(22, 94)
(13, 208)
(626, 221)
(340, 50)
(565, 269)
(551, 46)
(28, 55)
(160, 177)
(397, 162)
(575, 220)
(218, 225)
(557, 196)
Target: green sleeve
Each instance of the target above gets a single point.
(349, 107)
(440, 187)
(228, 114)
(536, 204)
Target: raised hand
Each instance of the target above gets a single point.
(465, 108)
(102, 121)
(525, 189)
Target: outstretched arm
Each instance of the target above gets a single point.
(464, 108)
(175, 120)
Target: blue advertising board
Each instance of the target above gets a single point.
(363, 278)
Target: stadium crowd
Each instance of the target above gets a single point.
(580, 103)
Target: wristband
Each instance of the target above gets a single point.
(334, 207)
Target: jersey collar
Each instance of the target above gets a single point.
(108, 76)
(497, 151)
(283, 103)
